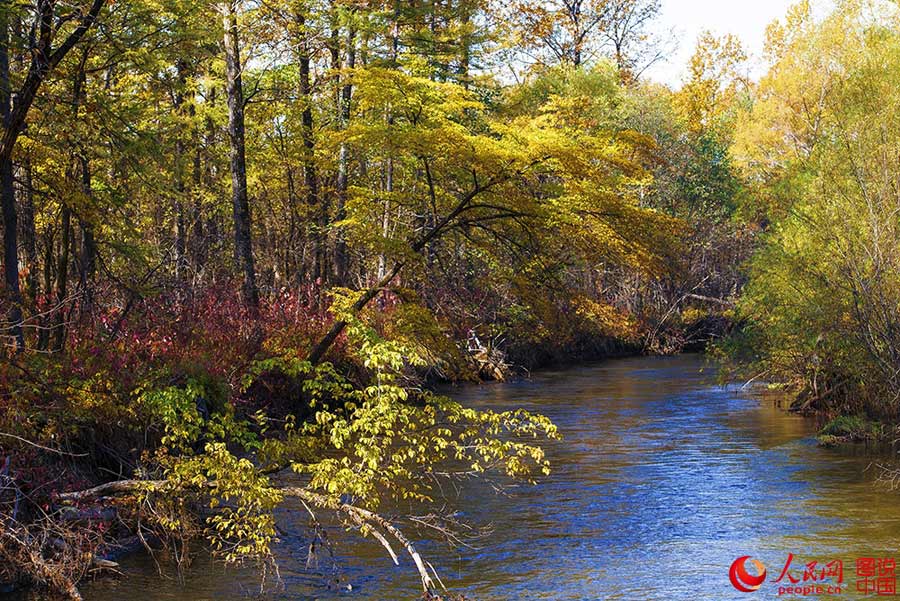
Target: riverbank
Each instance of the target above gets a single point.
(840, 426)
(219, 391)
(101, 524)
(618, 386)
(658, 463)
(194, 417)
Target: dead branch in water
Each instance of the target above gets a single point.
(368, 521)
(23, 549)
(48, 551)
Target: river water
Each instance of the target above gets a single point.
(661, 480)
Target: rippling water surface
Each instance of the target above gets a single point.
(661, 480)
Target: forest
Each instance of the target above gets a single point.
(246, 237)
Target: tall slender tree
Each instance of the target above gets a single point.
(234, 89)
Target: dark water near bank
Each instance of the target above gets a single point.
(661, 481)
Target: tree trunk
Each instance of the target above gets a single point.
(29, 234)
(10, 250)
(8, 197)
(465, 43)
(43, 342)
(341, 262)
(389, 168)
(181, 260)
(88, 243)
(62, 280)
(240, 200)
(310, 174)
(197, 235)
(310, 177)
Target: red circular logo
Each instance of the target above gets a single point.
(741, 579)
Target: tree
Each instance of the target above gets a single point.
(631, 45)
(819, 145)
(714, 83)
(482, 185)
(577, 31)
(15, 105)
(234, 90)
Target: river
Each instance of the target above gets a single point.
(661, 480)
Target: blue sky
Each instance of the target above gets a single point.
(746, 19)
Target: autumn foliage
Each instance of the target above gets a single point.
(244, 245)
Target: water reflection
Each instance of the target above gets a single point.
(662, 479)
